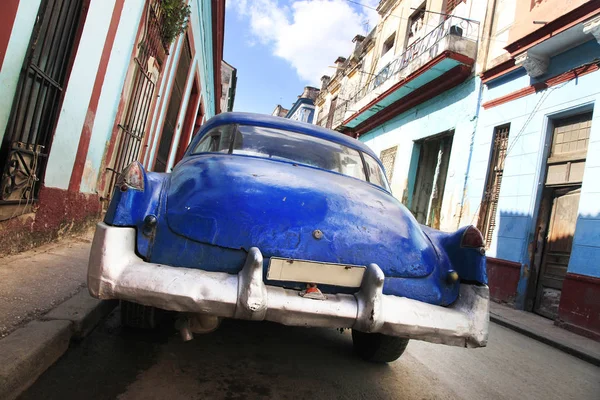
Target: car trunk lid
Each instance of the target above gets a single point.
(296, 212)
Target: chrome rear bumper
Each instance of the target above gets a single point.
(116, 272)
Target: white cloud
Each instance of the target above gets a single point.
(309, 34)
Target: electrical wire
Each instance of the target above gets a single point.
(530, 117)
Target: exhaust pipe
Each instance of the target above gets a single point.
(183, 325)
(196, 323)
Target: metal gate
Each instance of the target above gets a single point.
(132, 127)
(25, 147)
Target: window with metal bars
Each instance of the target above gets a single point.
(388, 157)
(26, 143)
(452, 4)
(489, 205)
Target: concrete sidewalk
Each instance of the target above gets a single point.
(545, 331)
(35, 281)
(44, 304)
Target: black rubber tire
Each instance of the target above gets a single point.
(377, 347)
(137, 316)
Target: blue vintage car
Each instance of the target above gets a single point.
(270, 219)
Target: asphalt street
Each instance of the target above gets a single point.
(247, 360)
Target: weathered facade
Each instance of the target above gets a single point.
(279, 111)
(535, 160)
(409, 91)
(87, 87)
(228, 85)
(303, 109)
(484, 113)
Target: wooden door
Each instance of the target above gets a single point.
(424, 182)
(557, 249)
(558, 209)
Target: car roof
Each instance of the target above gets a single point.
(269, 121)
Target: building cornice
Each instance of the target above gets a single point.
(553, 28)
(555, 80)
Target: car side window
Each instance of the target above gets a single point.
(217, 140)
(376, 175)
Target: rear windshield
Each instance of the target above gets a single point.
(293, 147)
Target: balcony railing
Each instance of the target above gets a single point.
(430, 43)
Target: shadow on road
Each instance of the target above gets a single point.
(239, 360)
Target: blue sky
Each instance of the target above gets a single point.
(280, 46)
(264, 80)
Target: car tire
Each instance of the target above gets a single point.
(137, 316)
(377, 347)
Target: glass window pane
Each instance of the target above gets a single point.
(296, 147)
(376, 175)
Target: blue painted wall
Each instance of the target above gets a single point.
(455, 110)
(300, 106)
(524, 173)
(530, 134)
(202, 25)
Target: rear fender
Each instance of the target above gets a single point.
(468, 262)
(130, 206)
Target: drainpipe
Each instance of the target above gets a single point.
(479, 99)
(471, 145)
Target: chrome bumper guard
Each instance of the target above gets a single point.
(116, 272)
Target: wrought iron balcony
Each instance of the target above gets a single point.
(451, 43)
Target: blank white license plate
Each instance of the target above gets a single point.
(284, 269)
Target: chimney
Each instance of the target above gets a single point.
(325, 81)
(339, 63)
(358, 39)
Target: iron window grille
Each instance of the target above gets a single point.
(388, 158)
(489, 205)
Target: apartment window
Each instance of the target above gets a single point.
(388, 158)
(489, 205)
(388, 44)
(415, 24)
(451, 5)
(572, 135)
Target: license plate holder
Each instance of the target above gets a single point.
(290, 270)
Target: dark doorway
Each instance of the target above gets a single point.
(189, 123)
(331, 112)
(559, 210)
(35, 109)
(434, 157)
(177, 93)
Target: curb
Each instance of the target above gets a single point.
(524, 330)
(83, 311)
(29, 351)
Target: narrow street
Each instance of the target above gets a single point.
(244, 360)
(412, 168)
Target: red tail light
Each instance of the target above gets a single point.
(132, 177)
(472, 238)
